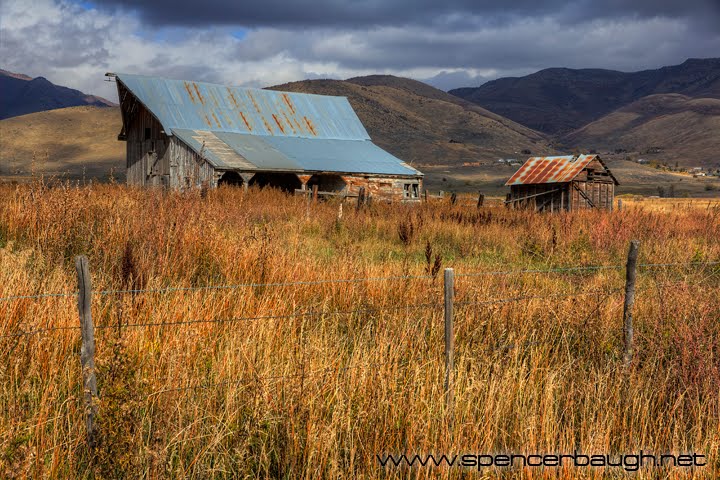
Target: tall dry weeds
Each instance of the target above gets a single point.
(304, 392)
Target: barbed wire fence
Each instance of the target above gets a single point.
(588, 268)
(87, 328)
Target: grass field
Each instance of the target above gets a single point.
(320, 377)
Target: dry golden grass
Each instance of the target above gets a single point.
(320, 394)
(671, 204)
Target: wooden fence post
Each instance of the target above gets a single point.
(619, 204)
(481, 200)
(453, 198)
(361, 198)
(449, 338)
(87, 350)
(425, 194)
(630, 274)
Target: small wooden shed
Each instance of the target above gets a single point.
(562, 183)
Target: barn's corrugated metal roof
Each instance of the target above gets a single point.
(229, 150)
(550, 169)
(206, 106)
(254, 129)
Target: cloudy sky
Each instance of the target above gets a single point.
(448, 43)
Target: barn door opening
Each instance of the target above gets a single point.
(327, 183)
(287, 182)
(231, 179)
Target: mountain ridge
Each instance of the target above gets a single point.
(23, 94)
(671, 127)
(558, 100)
(416, 122)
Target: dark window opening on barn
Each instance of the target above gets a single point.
(232, 179)
(147, 133)
(327, 183)
(411, 190)
(287, 182)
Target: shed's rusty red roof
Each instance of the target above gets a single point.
(550, 169)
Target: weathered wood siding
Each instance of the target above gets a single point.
(601, 194)
(146, 147)
(154, 159)
(391, 188)
(187, 169)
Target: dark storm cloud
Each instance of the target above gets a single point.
(450, 44)
(515, 49)
(363, 13)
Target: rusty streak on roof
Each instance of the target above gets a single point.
(187, 104)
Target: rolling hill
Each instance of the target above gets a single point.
(22, 95)
(74, 141)
(559, 100)
(668, 127)
(440, 134)
(431, 129)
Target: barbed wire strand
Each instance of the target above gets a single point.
(39, 295)
(256, 285)
(534, 297)
(224, 287)
(234, 319)
(41, 330)
(540, 270)
(351, 280)
(528, 343)
(689, 264)
(275, 317)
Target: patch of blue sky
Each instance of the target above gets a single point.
(177, 34)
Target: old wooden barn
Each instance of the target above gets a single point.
(184, 134)
(562, 183)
